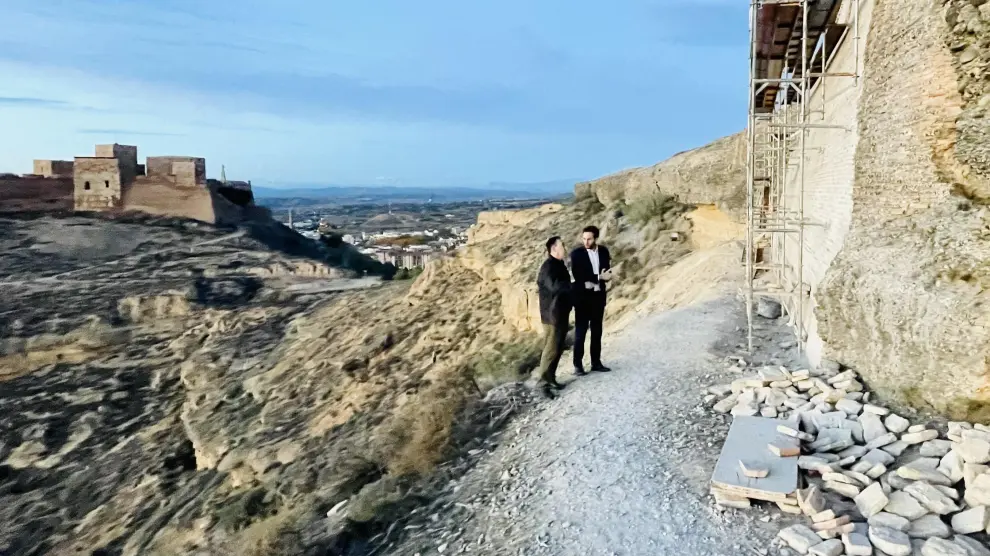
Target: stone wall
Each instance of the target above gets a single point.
(126, 154)
(187, 171)
(53, 168)
(35, 194)
(829, 173)
(904, 301)
(153, 195)
(97, 184)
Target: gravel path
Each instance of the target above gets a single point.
(620, 463)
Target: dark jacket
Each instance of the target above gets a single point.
(583, 272)
(554, 285)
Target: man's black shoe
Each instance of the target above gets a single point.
(556, 385)
(600, 369)
(579, 371)
(548, 392)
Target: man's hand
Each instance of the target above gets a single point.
(589, 285)
(607, 275)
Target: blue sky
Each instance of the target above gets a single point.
(432, 93)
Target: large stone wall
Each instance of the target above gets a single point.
(126, 154)
(97, 184)
(829, 172)
(35, 194)
(53, 168)
(904, 300)
(187, 171)
(152, 195)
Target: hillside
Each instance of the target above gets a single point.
(184, 389)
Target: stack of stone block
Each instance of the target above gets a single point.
(873, 483)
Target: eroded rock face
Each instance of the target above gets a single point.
(904, 302)
(714, 174)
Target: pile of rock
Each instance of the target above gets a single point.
(874, 481)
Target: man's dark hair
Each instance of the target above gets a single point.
(551, 242)
(592, 229)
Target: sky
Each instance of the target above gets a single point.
(428, 93)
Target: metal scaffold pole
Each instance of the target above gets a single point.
(750, 159)
(784, 74)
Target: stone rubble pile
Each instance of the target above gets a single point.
(893, 488)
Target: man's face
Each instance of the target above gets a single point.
(589, 240)
(557, 251)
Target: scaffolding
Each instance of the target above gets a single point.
(791, 47)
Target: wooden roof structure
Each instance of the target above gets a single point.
(778, 36)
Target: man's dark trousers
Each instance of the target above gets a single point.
(589, 312)
(553, 348)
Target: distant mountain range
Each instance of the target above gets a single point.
(378, 193)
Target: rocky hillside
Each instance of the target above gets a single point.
(171, 388)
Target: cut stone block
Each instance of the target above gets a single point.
(876, 471)
(929, 526)
(951, 465)
(941, 547)
(931, 498)
(896, 448)
(895, 423)
(812, 463)
(974, 450)
(729, 501)
(853, 451)
(881, 441)
(871, 500)
(919, 437)
(794, 433)
(831, 523)
(929, 464)
(753, 469)
(973, 546)
(848, 406)
(845, 489)
(936, 448)
(875, 456)
(929, 476)
(904, 505)
(891, 541)
(811, 500)
(973, 520)
(837, 531)
(823, 516)
(917, 428)
(788, 508)
(784, 450)
(973, 470)
(876, 410)
(857, 545)
(725, 405)
(872, 426)
(831, 547)
(978, 491)
(889, 520)
(768, 412)
(744, 410)
(862, 479)
(799, 537)
(948, 491)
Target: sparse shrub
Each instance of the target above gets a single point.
(508, 362)
(241, 509)
(655, 206)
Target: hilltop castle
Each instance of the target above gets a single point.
(113, 181)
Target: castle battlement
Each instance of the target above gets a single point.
(112, 180)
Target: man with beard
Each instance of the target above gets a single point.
(592, 268)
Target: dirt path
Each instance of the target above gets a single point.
(619, 464)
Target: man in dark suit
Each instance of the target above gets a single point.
(591, 266)
(554, 285)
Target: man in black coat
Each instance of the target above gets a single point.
(554, 285)
(591, 265)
